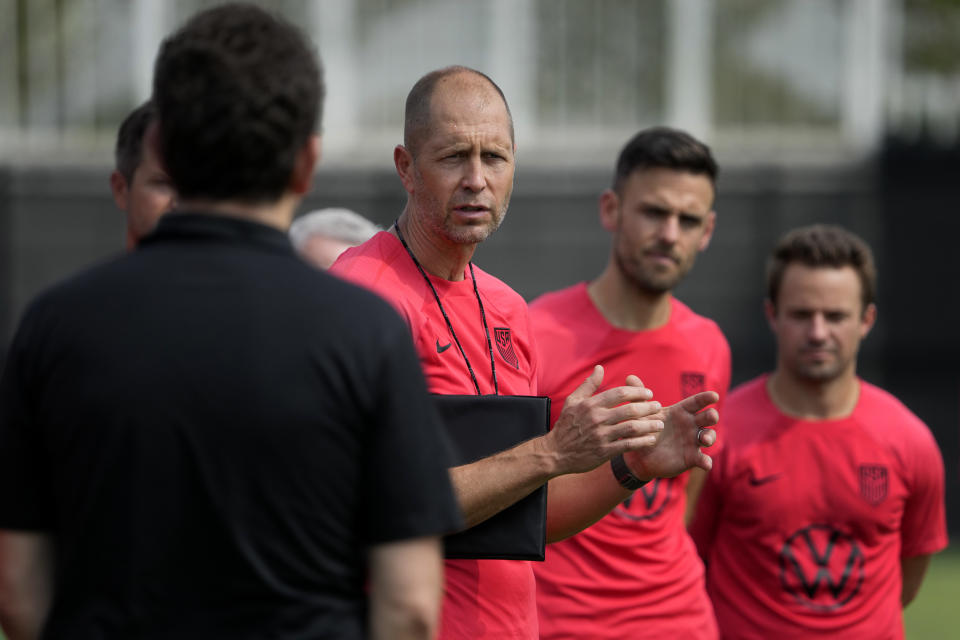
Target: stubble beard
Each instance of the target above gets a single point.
(645, 280)
(820, 373)
(465, 234)
(440, 220)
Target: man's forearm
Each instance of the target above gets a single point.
(912, 570)
(574, 502)
(26, 579)
(406, 579)
(488, 486)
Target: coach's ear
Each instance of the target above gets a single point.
(303, 165)
(403, 161)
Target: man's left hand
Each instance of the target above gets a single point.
(686, 429)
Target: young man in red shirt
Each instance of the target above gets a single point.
(827, 501)
(473, 335)
(636, 573)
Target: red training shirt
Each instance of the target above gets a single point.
(488, 599)
(803, 522)
(635, 573)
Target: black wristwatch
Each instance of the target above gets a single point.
(623, 474)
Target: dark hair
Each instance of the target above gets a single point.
(129, 150)
(417, 109)
(823, 246)
(664, 148)
(238, 93)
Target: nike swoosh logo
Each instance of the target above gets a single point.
(444, 347)
(757, 481)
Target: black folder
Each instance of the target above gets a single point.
(479, 426)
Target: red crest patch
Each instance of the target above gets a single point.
(692, 382)
(873, 483)
(501, 335)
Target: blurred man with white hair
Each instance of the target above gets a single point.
(321, 236)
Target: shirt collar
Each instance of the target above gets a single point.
(218, 227)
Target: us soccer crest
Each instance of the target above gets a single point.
(873, 483)
(501, 335)
(692, 382)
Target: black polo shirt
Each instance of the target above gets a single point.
(214, 433)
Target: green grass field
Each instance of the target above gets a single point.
(935, 614)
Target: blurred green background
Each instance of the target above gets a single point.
(935, 614)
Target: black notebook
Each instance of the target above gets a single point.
(479, 426)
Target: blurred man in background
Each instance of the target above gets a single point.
(139, 183)
(636, 573)
(827, 500)
(208, 438)
(473, 335)
(320, 236)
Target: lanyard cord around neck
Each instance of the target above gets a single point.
(483, 316)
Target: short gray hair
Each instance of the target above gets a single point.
(416, 119)
(337, 223)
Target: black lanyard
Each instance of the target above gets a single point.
(483, 316)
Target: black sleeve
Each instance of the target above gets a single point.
(25, 494)
(406, 475)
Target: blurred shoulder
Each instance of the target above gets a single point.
(559, 302)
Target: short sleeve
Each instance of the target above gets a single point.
(924, 528)
(407, 480)
(25, 492)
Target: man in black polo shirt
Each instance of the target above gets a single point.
(208, 438)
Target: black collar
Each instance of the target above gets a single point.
(196, 225)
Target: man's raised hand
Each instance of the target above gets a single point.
(594, 427)
(686, 429)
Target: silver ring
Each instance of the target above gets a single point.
(699, 432)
